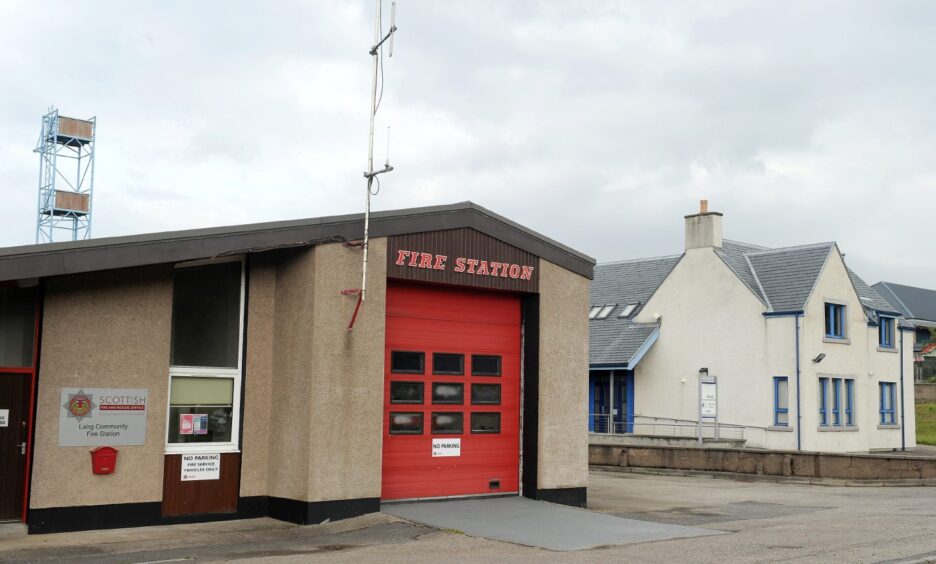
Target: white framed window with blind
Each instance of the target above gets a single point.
(205, 357)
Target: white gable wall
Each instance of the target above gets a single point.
(856, 357)
(711, 319)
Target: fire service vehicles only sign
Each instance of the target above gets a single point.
(102, 417)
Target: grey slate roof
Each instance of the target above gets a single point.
(789, 274)
(782, 279)
(910, 301)
(733, 253)
(871, 299)
(615, 340)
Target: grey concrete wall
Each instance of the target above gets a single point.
(924, 392)
(102, 330)
(258, 377)
(563, 388)
(768, 463)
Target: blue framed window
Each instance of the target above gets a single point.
(823, 401)
(834, 321)
(836, 402)
(781, 386)
(888, 403)
(886, 332)
(849, 402)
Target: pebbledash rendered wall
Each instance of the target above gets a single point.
(313, 391)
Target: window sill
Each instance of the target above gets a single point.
(889, 426)
(887, 349)
(836, 340)
(781, 428)
(831, 429)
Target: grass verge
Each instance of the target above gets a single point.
(926, 423)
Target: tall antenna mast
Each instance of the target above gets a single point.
(376, 52)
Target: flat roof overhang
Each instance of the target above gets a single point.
(73, 257)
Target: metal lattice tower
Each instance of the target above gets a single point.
(66, 177)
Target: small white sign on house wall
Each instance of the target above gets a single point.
(4, 417)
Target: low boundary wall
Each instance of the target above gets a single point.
(766, 463)
(924, 392)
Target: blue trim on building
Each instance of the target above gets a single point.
(644, 348)
(629, 383)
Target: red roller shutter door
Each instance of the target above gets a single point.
(474, 338)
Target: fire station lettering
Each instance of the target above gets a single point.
(462, 257)
(204, 466)
(446, 447)
(102, 417)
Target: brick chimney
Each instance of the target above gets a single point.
(704, 229)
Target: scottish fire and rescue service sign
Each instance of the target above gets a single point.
(463, 257)
(102, 417)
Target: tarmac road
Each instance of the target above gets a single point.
(766, 522)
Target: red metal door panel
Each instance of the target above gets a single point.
(432, 319)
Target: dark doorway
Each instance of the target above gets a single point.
(14, 433)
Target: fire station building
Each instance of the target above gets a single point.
(236, 372)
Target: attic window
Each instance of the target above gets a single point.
(605, 311)
(594, 311)
(628, 310)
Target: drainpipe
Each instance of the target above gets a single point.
(903, 426)
(799, 415)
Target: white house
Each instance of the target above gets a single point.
(806, 355)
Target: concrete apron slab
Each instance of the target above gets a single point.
(536, 523)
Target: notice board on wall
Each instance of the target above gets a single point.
(102, 417)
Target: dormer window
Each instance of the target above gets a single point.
(628, 310)
(834, 321)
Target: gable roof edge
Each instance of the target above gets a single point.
(818, 276)
(663, 281)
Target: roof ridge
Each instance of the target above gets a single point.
(793, 248)
(646, 259)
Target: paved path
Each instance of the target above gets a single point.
(535, 523)
(760, 522)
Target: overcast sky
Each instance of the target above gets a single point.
(599, 124)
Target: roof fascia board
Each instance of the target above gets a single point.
(37, 261)
(644, 348)
(596, 367)
(782, 313)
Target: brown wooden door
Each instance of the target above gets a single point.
(14, 403)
